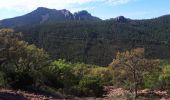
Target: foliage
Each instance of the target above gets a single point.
(3, 81)
(92, 81)
(61, 75)
(24, 66)
(165, 77)
(90, 86)
(164, 62)
(21, 61)
(151, 80)
(98, 42)
(130, 67)
(104, 74)
(77, 78)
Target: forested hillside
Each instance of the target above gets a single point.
(83, 39)
(97, 42)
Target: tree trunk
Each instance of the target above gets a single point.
(135, 85)
(135, 91)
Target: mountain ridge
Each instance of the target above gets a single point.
(46, 15)
(43, 15)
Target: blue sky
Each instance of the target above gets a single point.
(105, 9)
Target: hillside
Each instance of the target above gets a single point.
(26, 67)
(81, 37)
(45, 15)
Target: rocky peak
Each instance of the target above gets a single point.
(121, 19)
(66, 13)
(81, 15)
(40, 9)
(83, 12)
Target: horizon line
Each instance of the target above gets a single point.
(89, 13)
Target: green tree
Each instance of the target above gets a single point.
(21, 59)
(61, 76)
(130, 67)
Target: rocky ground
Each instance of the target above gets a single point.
(143, 94)
(111, 94)
(6, 94)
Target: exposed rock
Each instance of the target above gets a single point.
(44, 18)
(84, 15)
(121, 19)
(67, 13)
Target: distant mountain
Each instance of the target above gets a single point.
(44, 15)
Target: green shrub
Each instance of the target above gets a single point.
(78, 79)
(104, 74)
(90, 86)
(3, 81)
(152, 80)
(165, 77)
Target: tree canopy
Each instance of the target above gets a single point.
(131, 67)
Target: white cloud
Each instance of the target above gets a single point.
(117, 2)
(57, 4)
(81, 8)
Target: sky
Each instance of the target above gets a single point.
(104, 9)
